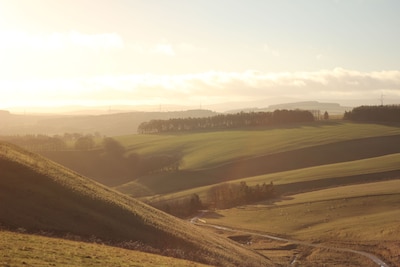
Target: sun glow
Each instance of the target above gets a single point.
(56, 53)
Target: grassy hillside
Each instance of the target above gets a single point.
(213, 157)
(328, 213)
(305, 179)
(362, 217)
(18, 249)
(39, 195)
(291, 166)
(211, 149)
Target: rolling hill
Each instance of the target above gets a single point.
(209, 158)
(363, 217)
(105, 124)
(38, 195)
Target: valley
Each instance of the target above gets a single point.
(335, 191)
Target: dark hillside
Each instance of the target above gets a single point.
(39, 195)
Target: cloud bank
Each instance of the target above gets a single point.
(206, 88)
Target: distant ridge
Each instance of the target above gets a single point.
(331, 108)
(39, 195)
(106, 124)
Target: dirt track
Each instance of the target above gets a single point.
(198, 221)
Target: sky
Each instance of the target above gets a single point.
(198, 52)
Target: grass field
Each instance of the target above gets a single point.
(266, 155)
(209, 158)
(304, 179)
(210, 149)
(310, 215)
(330, 175)
(365, 217)
(18, 249)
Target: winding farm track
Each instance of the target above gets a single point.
(198, 221)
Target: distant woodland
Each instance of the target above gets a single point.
(226, 121)
(222, 196)
(389, 113)
(42, 142)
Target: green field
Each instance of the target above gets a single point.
(210, 149)
(342, 172)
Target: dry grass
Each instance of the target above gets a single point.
(39, 195)
(17, 250)
(364, 217)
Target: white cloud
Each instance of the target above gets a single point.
(209, 87)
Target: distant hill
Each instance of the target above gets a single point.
(108, 124)
(331, 108)
(39, 195)
(122, 123)
(4, 113)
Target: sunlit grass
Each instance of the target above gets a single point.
(206, 149)
(358, 212)
(343, 169)
(17, 249)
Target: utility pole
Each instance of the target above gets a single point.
(382, 99)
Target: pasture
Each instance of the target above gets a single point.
(209, 149)
(305, 179)
(364, 217)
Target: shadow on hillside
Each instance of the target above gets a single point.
(271, 202)
(213, 215)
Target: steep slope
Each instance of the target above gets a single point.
(39, 195)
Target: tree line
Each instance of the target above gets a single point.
(221, 196)
(43, 142)
(228, 195)
(387, 113)
(226, 121)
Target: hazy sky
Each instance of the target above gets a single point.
(97, 52)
